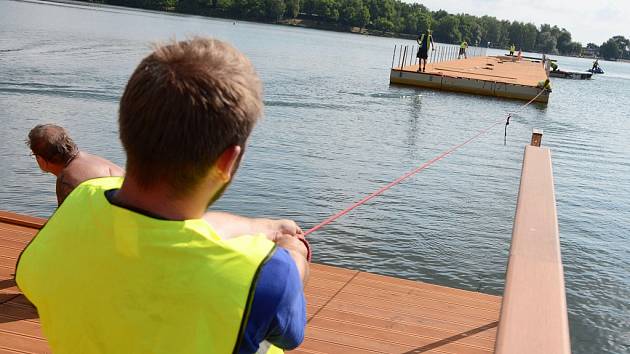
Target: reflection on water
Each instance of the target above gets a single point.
(414, 129)
(334, 131)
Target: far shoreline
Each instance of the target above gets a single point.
(301, 23)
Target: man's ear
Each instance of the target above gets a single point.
(43, 164)
(228, 162)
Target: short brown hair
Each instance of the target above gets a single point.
(53, 143)
(183, 106)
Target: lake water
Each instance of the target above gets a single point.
(334, 131)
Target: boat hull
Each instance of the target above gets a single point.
(574, 75)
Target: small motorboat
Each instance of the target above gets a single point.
(596, 70)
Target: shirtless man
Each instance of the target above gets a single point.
(57, 153)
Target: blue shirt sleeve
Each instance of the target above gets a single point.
(278, 312)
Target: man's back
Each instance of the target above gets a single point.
(82, 168)
(137, 284)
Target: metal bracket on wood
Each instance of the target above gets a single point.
(537, 137)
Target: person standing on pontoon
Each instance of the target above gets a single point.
(425, 41)
(462, 50)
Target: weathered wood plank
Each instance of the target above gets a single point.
(7, 217)
(534, 313)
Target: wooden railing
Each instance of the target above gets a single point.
(21, 220)
(405, 55)
(534, 311)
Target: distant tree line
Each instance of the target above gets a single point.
(617, 47)
(392, 17)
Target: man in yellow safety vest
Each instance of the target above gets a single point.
(425, 41)
(546, 84)
(135, 265)
(462, 50)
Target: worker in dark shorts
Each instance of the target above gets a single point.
(425, 41)
(462, 50)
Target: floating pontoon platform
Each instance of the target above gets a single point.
(485, 75)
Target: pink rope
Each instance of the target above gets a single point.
(410, 173)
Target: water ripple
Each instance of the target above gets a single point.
(334, 133)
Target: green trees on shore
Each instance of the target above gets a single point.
(392, 17)
(617, 47)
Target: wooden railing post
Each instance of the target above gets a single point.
(394, 55)
(537, 137)
(534, 310)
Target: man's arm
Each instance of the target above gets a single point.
(62, 188)
(285, 233)
(278, 312)
(231, 225)
(297, 250)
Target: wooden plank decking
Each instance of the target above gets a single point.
(348, 311)
(488, 68)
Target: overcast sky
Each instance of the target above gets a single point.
(588, 21)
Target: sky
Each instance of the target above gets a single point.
(588, 21)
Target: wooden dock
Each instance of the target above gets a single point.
(498, 76)
(348, 311)
(357, 312)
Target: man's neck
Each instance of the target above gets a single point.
(159, 200)
(55, 169)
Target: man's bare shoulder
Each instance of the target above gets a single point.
(97, 161)
(87, 166)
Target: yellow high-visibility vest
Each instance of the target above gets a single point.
(421, 41)
(544, 84)
(106, 279)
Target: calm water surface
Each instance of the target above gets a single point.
(334, 131)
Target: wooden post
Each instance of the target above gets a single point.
(394, 55)
(536, 137)
(404, 58)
